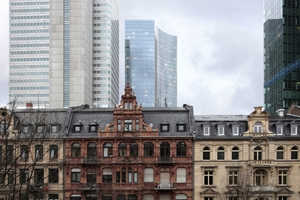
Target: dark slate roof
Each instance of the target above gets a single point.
(153, 116)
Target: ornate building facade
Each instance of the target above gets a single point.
(129, 153)
(247, 157)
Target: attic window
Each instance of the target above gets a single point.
(181, 127)
(54, 129)
(77, 127)
(293, 130)
(221, 129)
(235, 130)
(164, 127)
(279, 130)
(93, 127)
(206, 130)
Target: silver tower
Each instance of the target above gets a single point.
(64, 53)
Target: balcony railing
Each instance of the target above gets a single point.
(165, 159)
(165, 186)
(89, 186)
(263, 188)
(260, 162)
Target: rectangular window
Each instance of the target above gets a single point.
(2, 178)
(39, 152)
(279, 130)
(38, 177)
(233, 178)
(164, 127)
(235, 130)
(91, 179)
(53, 151)
(118, 177)
(40, 129)
(208, 198)
(293, 130)
(282, 177)
(54, 129)
(181, 127)
(282, 198)
(24, 175)
(181, 175)
(93, 129)
(148, 175)
(220, 130)
(137, 125)
(24, 152)
(53, 175)
(77, 129)
(128, 125)
(135, 177)
(206, 130)
(75, 176)
(208, 177)
(10, 178)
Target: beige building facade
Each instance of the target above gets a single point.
(251, 157)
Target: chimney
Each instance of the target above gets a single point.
(29, 105)
(280, 112)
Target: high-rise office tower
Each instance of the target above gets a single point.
(281, 54)
(151, 63)
(64, 53)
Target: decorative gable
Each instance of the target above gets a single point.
(128, 117)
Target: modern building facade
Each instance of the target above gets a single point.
(151, 63)
(281, 54)
(64, 53)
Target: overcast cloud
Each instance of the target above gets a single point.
(220, 50)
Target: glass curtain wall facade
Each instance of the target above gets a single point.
(29, 52)
(151, 63)
(281, 54)
(64, 53)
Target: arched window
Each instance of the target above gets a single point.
(257, 153)
(181, 149)
(91, 150)
(75, 150)
(259, 178)
(235, 153)
(220, 153)
(130, 105)
(280, 152)
(107, 149)
(206, 153)
(257, 127)
(294, 152)
(134, 149)
(126, 105)
(122, 149)
(165, 152)
(148, 149)
(121, 197)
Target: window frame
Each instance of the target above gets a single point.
(294, 130)
(280, 153)
(257, 153)
(221, 130)
(181, 149)
(206, 130)
(294, 153)
(282, 177)
(221, 153)
(235, 151)
(53, 151)
(53, 175)
(181, 127)
(75, 175)
(279, 130)
(39, 153)
(148, 149)
(206, 153)
(235, 130)
(75, 150)
(107, 150)
(208, 176)
(165, 128)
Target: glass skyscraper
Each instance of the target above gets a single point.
(64, 53)
(281, 54)
(151, 63)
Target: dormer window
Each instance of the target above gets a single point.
(294, 130)
(93, 127)
(257, 127)
(128, 125)
(54, 128)
(40, 128)
(235, 130)
(25, 129)
(206, 130)
(164, 127)
(181, 127)
(279, 130)
(221, 129)
(77, 127)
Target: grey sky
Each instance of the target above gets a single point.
(220, 50)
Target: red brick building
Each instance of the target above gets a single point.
(129, 153)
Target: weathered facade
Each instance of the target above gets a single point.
(247, 157)
(31, 152)
(129, 152)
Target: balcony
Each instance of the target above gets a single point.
(165, 160)
(263, 188)
(264, 163)
(37, 188)
(90, 186)
(165, 186)
(90, 160)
